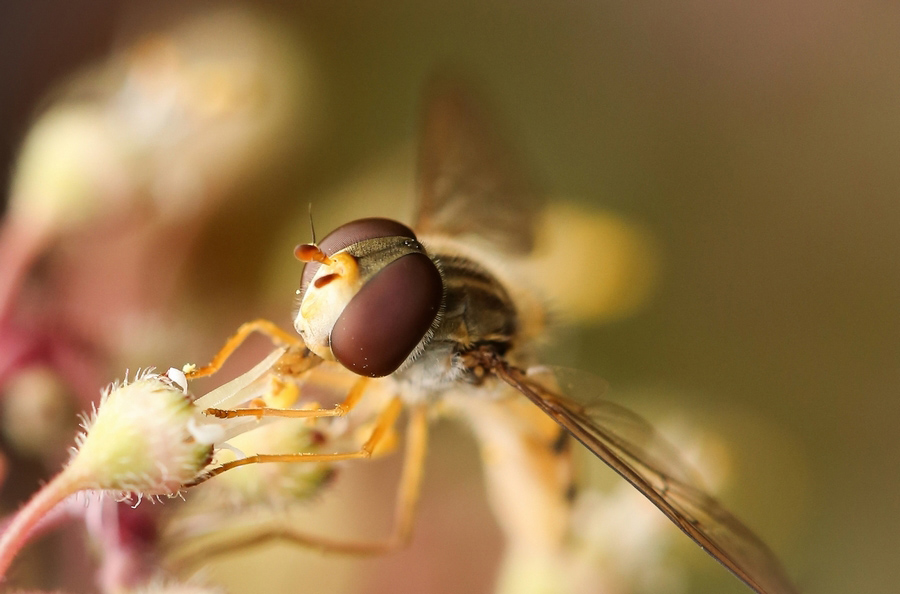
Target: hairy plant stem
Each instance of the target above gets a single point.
(16, 535)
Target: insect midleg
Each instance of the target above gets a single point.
(405, 506)
(383, 424)
(353, 397)
(270, 329)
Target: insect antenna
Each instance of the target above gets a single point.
(312, 227)
(310, 252)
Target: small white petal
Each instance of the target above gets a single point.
(177, 376)
(208, 433)
(235, 392)
(231, 448)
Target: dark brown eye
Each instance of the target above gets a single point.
(350, 233)
(389, 316)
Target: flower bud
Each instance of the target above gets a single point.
(145, 437)
(272, 483)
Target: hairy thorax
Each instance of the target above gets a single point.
(477, 311)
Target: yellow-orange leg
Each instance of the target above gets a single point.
(353, 397)
(404, 515)
(270, 329)
(383, 424)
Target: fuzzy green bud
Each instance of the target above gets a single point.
(143, 438)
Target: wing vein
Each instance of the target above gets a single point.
(661, 476)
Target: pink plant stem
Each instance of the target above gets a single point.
(16, 535)
(20, 244)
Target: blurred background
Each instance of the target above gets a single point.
(749, 147)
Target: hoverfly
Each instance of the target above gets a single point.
(435, 315)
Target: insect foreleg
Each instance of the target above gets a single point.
(270, 329)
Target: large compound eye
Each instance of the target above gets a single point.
(388, 317)
(350, 233)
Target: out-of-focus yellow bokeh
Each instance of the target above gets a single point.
(741, 157)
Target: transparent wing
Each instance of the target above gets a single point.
(635, 450)
(468, 182)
